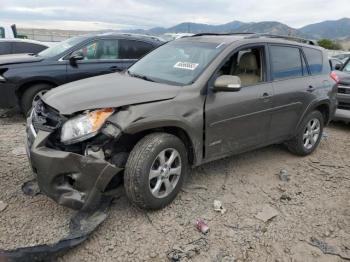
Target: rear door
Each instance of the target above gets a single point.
(293, 87)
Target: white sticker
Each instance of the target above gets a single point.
(186, 65)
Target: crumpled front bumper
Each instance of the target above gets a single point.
(72, 180)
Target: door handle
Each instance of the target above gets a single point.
(266, 96)
(311, 88)
(115, 69)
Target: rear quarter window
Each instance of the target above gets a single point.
(314, 59)
(286, 62)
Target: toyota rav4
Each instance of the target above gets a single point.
(190, 101)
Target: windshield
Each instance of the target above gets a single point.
(346, 67)
(61, 47)
(178, 62)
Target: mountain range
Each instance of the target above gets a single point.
(335, 29)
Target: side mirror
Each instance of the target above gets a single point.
(227, 83)
(75, 56)
(338, 66)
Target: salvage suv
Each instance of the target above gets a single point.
(186, 103)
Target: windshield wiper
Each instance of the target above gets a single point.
(141, 76)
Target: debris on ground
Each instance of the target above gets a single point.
(284, 176)
(328, 249)
(325, 135)
(267, 213)
(31, 188)
(285, 197)
(218, 207)
(2, 206)
(189, 250)
(19, 151)
(202, 226)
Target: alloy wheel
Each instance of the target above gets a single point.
(165, 173)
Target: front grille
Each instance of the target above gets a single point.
(342, 105)
(45, 118)
(344, 89)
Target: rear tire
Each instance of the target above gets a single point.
(155, 170)
(31, 94)
(309, 135)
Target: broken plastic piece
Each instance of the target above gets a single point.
(82, 224)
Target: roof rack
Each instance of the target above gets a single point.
(257, 35)
(218, 34)
(291, 38)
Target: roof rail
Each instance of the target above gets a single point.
(291, 38)
(218, 34)
(257, 35)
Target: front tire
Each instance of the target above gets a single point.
(31, 95)
(309, 135)
(155, 170)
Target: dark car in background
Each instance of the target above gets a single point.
(24, 78)
(21, 46)
(343, 112)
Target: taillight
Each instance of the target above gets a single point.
(335, 77)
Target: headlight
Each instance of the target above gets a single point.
(84, 126)
(2, 79)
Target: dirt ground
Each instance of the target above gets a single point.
(312, 207)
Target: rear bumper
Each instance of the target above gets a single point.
(8, 96)
(72, 180)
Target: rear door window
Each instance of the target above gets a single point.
(314, 59)
(286, 62)
(131, 49)
(5, 48)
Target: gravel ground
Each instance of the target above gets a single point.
(313, 205)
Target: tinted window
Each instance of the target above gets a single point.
(19, 47)
(286, 62)
(102, 50)
(314, 59)
(130, 49)
(2, 32)
(5, 48)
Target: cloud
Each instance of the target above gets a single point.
(122, 14)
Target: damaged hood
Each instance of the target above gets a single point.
(112, 90)
(19, 59)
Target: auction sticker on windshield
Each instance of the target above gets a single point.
(186, 65)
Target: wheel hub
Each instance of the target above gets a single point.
(165, 173)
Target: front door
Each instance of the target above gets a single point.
(100, 57)
(239, 121)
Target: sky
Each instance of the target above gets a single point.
(145, 14)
